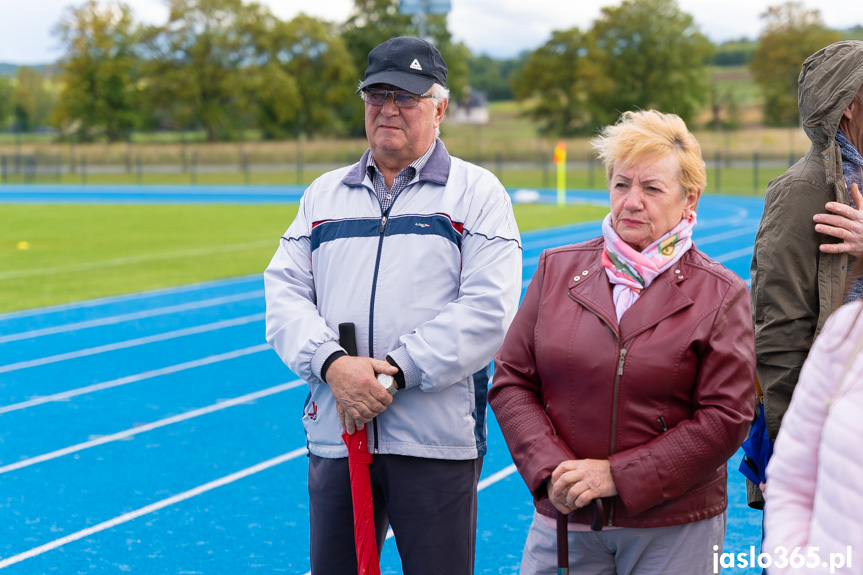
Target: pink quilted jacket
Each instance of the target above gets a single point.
(815, 479)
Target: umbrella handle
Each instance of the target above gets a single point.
(562, 544)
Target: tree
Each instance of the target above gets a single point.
(34, 100)
(655, 57)
(494, 77)
(305, 80)
(197, 64)
(7, 101)
(99, 72)
(791, 34)
(558, 81)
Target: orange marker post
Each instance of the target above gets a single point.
(560, 160)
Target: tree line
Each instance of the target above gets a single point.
(224, 67)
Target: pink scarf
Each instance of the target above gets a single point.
(631, 271)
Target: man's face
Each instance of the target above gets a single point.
(398, 136)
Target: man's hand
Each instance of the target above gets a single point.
(577, 482)
(846, 225)
(359, 396)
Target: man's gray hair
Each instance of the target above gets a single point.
(438, 93)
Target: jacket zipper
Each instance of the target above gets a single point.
(381, 232)
(621, 361)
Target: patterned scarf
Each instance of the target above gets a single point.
(852, 170)
(630, 271)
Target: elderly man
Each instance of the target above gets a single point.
(420, 251)
(811, 231)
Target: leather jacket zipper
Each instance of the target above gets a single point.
(620, 363)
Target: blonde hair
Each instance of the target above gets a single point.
(651, 135)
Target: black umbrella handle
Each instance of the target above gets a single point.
(348, 338)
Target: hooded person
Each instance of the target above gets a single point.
(811, 230)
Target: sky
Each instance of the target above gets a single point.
(498, 28)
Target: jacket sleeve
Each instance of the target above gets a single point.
(295, 329)
(793, 469)
(785, 291)
(516, 397)
(678, 459)
(463, 337)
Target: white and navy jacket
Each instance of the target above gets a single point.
(434, 283)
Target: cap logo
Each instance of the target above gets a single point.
(415, 65)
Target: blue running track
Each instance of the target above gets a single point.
(158, 433)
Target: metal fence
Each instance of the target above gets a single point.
(726, 173)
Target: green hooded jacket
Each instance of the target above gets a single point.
(795, 286)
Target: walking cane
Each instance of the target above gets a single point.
(563, 534)
(562, 545)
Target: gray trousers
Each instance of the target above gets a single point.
(430, 503)
(677, 549)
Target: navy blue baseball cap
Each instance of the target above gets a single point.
(410, 64)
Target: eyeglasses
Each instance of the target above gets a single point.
(401, 98)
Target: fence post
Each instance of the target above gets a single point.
(139, 176)
(717, 165)
(3, 175)
(755, 182)
(193, 170)
(300, 162)
(84, 168)
(58, 167)
(246, 173)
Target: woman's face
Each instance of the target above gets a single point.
(647, 201)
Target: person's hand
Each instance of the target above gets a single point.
(347, 423)
(846, 224)
(763, 487)
(577, 482)
(559, 500)
(359, 396)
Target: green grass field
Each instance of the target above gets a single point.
(51, 254)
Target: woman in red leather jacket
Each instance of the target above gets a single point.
(627, 375)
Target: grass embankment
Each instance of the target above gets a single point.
(77, 252)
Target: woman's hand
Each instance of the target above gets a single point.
(577, 482)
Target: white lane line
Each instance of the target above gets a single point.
(218, 406)
(133, 342)
(114, 319)
(726, 235)
(134, 378)
(126, 517)
(533, 261)
(117, 262)
(747, 251)
(487, 482)
(495, 477)
(90, 303)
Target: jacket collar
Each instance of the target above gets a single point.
(436, 169)
(662, 299)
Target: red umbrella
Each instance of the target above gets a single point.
(359, 460)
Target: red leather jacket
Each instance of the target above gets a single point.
(666, 396)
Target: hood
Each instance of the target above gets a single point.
(828, 81)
